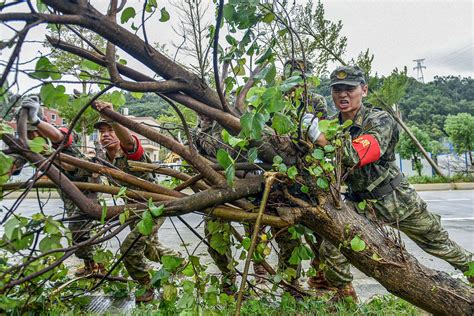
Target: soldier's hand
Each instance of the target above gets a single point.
(32, 104)
(310, 123)
(100, 105)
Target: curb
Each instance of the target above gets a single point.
(444, 186)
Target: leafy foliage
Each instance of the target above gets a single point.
(460, 129)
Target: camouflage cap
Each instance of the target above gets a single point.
(101, 122)
(350, 75)
(293, 67)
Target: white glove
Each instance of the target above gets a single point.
(32, 104)
(310, 123)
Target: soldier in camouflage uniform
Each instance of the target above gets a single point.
(208, 141)
(120, 147)
(373, 175)
(80, 228)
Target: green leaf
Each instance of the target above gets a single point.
(41, 7)
(277, 159)
(228, 11)
(90, 65)
(49, 243)
(165, 16)
(117, 98)
(6, 163)
(121, 193)
(122, 218)
(376, 257)
(304, 189)
(137, 95)
(322, 183)
(10, 226)
(329, 148)
(357, 244)
(53, 96)
(188, 270)
(37, 144)
(346, 124)
(268, 53)
(246, 243)
(170, 263)
(268, 18)
(6, 129)
(273, 100)
(252, 155)
(318, 154)
(45, 69)
(282, 124)
(323, 125)
(170, 292)
(230, 175)
(224, 159)
(154, 210)
(292, 172)
(252, 124)
(145, 225)
(361, 205)
(290, 83)
(127, 14)
(470, 271)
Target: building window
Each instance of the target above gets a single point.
(154, 157)
(53, 117)
(63, 122)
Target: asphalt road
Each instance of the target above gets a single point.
(455, 207)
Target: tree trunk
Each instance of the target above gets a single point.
(398, 271)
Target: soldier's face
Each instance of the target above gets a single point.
(108, 138)
(348, 99)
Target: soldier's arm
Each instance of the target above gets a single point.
(372, 144)
(52, 133)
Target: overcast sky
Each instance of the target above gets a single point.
(396, 32)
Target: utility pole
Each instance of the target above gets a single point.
(419, 69)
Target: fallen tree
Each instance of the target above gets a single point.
(259, 130)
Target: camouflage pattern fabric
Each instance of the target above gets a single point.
(80, 228)
(208, 143)
(146, 246)
(403, 208)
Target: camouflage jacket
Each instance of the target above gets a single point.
(369, 158)
(122, 157)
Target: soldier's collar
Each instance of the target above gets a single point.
(358, 119)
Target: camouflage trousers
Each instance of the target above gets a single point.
(423, 227)
(223, 259)
(80, 229)
(148, 246)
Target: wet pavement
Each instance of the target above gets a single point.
(455, 207)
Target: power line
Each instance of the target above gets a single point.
(419, 69)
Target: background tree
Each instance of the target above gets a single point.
(460, 130)
(408, 150)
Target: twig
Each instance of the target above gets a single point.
(270, 177)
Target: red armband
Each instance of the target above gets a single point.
(139, 152)
(69, 141)
(367, 148)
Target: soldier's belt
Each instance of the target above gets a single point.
(378, 192)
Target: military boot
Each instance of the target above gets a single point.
(319, 282)
(90, 267)
(346, 293)
(228, 285)
(260, 273)
(149, 294)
